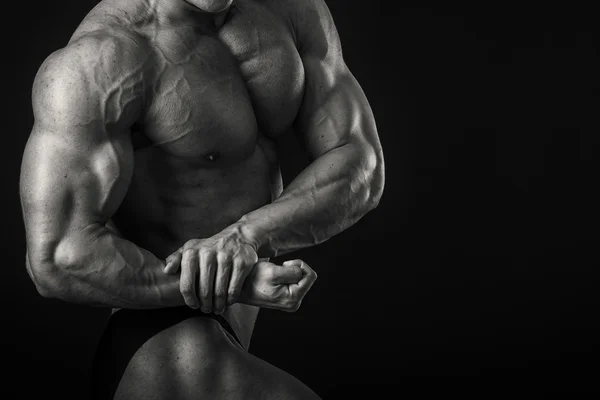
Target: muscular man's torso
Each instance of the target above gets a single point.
(215, 101)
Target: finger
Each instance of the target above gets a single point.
(287, 274)
(222, 278)
(293, 263)
(239, 273)
(188, 279)
(173, 262)
(208, 267)
(309, 276)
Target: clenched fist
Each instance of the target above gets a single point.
(281, 287)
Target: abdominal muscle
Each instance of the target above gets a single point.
(172, 200)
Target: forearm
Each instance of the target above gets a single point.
(329, 196)
(100, 268)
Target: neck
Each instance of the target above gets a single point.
(181, 11)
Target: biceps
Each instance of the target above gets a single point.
(335, 111)
(68, 185)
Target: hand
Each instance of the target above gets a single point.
(281, 287)
(218, 266)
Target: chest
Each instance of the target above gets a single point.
(213, 94)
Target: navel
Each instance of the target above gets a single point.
(213, 156)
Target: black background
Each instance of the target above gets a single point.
(480, 258)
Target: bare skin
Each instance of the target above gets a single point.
(151, 177)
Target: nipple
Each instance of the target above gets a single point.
(212, 156)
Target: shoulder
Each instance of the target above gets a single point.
(300, 9)
(104, 69)
(312, 23)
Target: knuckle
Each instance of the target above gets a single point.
(189, 252)
(223, 256)
(220, 295)
(190, 244)
(189, 300)
(295, 297)
(204, 252)
(239, 261)
(219, 303)
(205, 297)
(253, 259)
(270, 273)
(186, 289)
(247, 254)
(292, 306)
(190, 303)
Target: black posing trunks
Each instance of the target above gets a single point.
(126, 331)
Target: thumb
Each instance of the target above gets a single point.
(288, 273)
(173, 262)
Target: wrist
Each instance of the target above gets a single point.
(253, 236)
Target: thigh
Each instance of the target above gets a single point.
(133, 334)
(192, 359)
(185, 361)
